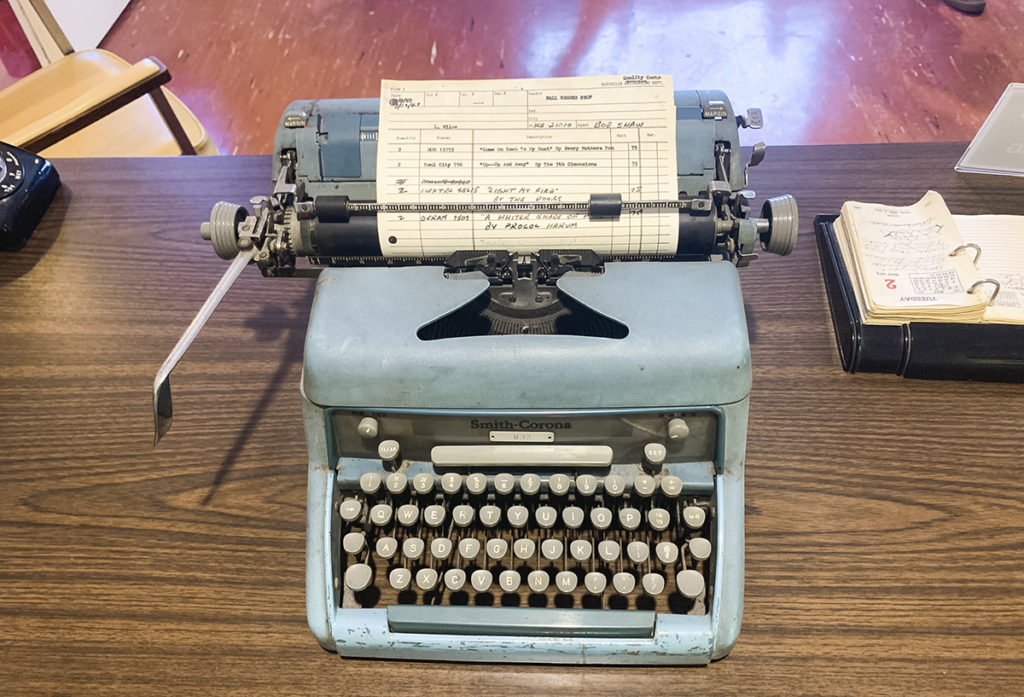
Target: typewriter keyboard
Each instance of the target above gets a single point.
(518, 540)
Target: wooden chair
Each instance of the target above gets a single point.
(95, 104)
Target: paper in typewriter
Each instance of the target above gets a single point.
(539, 140)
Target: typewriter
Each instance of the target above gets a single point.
(532, 457)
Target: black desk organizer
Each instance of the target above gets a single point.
(929, 350)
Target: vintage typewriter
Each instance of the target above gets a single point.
(515, 456)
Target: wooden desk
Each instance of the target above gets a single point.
(885, 516)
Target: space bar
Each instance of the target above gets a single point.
(515, 621)
(521, 455)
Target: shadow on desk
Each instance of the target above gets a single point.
(273, 321)
(14, 265)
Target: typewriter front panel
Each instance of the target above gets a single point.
(572, 536)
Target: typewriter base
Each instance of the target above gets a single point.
(578, 636)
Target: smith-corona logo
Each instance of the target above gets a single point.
(524, 424)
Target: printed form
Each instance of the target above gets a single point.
(555, 140)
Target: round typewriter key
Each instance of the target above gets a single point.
(614, 485)
(518, 516)
(573, 517)
(546, 516)
(400, 579)
(658, 519)
(667, 553)
(369, 482)
(538, 581)
(451, 483)
(529, 484)
(690, 583)
(551, 549)
(678, 429)
(595, 582)
(509, 580)
(504, 484)
(426, 579)
(408, 514)
(586, 485)
(469, 547)
(671, 486)
(388, 450)
(476, 483)
(580, 550)
(638, 552)
(481, 580)
(463, 515)
(490, 515)
(654, 454)
(433, 515)
(524, 548)
(350, 510)
(644, 485)
(565, 581)
(496, 548)
(423, 483)
(624, 583)
(559, 484)
(386, 547)
(412, 547)
(358, 576)
(700, 548)
(396, 482)
(629, 518)
(455, 579)
(380, 514)
(608, 550)
(694, 517)
(367, 427)
(353, 542)
(440, 548)
(600, 517)
(654, 584)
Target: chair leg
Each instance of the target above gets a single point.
(171, 119)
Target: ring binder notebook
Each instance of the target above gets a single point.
(928, 350)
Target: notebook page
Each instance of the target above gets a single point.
(903, 253)
(1001, 238)
(553, 140)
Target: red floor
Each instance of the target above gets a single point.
(823, 71)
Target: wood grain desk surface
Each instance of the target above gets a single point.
(885, 517)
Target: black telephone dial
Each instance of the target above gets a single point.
(27, 185)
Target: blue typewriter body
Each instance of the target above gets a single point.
(604, 445)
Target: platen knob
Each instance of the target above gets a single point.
(222, 230)
(783, 222)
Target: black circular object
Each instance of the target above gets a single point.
(11, 173)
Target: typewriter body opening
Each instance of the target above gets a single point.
(528, 457)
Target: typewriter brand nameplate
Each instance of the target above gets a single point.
(522, 437)
(546, 140)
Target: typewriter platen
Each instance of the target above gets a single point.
(515, 456)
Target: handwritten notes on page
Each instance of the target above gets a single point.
(899, 259)
(525, 141)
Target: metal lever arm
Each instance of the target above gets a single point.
(162, 411)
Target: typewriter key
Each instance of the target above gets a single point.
(400, 579)
(595, 582)
(624, 582)
(700, 548)
(690, 583)
(538, 581)
(358, 576)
